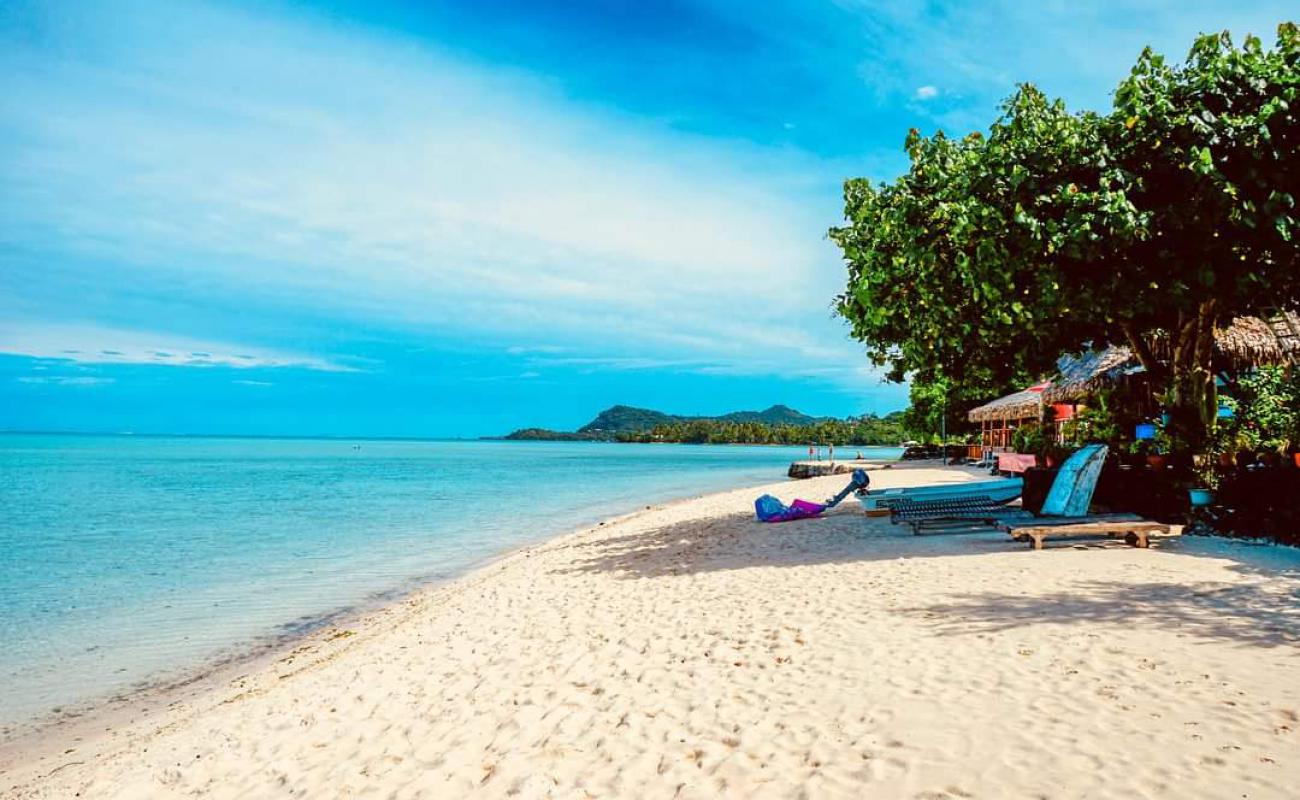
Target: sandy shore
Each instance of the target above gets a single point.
(688, 651)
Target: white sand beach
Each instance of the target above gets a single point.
(688, 651)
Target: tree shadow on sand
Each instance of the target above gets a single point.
(1249, 614)
(737, 541)
(1262, 610)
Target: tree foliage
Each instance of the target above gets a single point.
(940, 405)
(1151, 225)
(1267, 410)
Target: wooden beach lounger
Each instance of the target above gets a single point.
(1135, 530)
(1024, 526)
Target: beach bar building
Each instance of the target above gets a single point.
(1248, 343)
(999, 420)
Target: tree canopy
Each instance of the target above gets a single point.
(1150, 225)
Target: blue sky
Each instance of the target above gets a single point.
(443, 219)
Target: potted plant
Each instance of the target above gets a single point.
(1161, 448)
(1201, 493)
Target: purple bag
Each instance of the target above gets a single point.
(770, 509)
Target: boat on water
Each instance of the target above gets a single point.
(1003, 490)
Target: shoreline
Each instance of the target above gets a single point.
(78, 724)
(284, 632)
(687, 649)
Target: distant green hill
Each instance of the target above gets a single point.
(626, 419)
(776, 415)
(618, 420)
(548, 435)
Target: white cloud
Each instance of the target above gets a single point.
(89, 344)
(66, 380)
(522, 349)
(926, 92)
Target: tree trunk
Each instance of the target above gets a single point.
(1193, 399)
(1156, 371)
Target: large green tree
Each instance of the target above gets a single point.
(1151, 225)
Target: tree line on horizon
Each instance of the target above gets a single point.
(868, 430)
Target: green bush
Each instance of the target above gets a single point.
(1029, 439)
(1266, 405)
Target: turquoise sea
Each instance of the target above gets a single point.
(127, 561)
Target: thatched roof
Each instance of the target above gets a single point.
(1081, 375)
(1251, 341)
(1021, 405)
(1247, 342)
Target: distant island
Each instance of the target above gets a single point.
(776, 425)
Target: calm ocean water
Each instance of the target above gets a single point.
(126, 560)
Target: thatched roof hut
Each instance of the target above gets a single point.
(1021, 405)
(1247, 342)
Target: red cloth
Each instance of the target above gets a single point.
(1016, 462)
